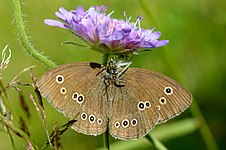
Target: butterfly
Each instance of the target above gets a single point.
(129, 102)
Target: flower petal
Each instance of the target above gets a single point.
(162, 43)
(51, 22)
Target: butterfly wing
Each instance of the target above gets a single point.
(75, 90)
(169, 96)
(149, 98)
(131, 114)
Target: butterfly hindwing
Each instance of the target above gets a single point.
(132, 115)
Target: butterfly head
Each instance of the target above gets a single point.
(115, 70)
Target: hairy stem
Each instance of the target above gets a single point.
(23, 38)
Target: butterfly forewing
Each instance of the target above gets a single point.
(167, 95)
(75, 90)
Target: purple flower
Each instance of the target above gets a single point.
(106, 34)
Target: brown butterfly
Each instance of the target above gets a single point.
(129, 103)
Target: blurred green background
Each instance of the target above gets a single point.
(195, 57)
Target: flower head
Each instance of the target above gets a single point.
(107, 34)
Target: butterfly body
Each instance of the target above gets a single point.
(129, 103)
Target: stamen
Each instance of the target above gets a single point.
(110, 13)
(139, 18)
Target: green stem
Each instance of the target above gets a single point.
(106, 139)
(11, 138)
(106, 58)
(2, 107)
(204, 129)
(157, 144)
(23, 38)
(17, 131)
